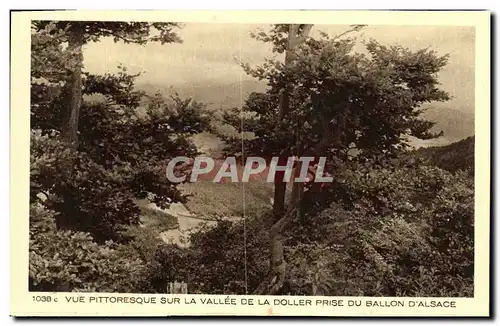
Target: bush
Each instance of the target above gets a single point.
(407, 232)
(73, 261)
(404, 232)
(215, 261)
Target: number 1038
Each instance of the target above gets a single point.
(42, 298)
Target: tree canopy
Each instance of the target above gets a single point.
(368, 101)
(125, 138)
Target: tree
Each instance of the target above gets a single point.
(83, 194)
(125, 138)
(78, 33)
(338, 103)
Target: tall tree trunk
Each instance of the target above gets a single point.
(297, 196)
(279, 192)
(277, 264)
(282, 215)
(75, 43)
(73, 102)
(298, 187)
(277, 268)
(295, 38)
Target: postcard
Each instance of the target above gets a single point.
(250, 163)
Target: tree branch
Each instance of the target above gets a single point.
(355, 28)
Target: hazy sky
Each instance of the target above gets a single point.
(210, 52)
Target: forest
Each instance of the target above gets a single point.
(394, 222)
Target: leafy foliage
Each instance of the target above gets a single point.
(84, 198)
(389, 224)
(402, 232)
(64, 260)
(124, 147)
(127, 32)
(215, 261)
(364, 101)
(407, 232)
(453, 157)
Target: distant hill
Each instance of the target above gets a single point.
(452, 157)
(216, 96)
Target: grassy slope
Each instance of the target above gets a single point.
(209, 199)
(453, 157)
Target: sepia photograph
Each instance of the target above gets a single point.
(270, 159)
